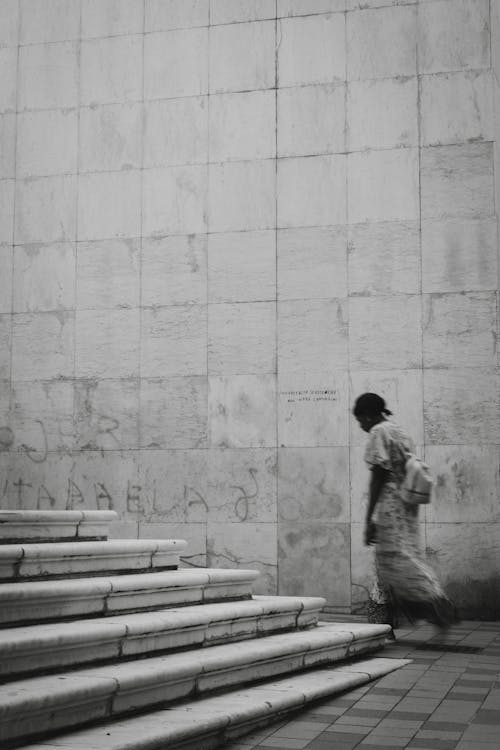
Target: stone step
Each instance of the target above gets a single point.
(42, 705)
(37, 648)
(38, 601)
(210, 722)
(18, 526)
(57, 559)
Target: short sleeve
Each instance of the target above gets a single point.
(377, 451)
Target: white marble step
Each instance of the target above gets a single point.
(36, 601)
(36, 648)
(45, 704)
(209, 723)
(54, 525)
(51, 559)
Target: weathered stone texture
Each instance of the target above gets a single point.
(220, 222)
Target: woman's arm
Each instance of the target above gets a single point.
(378, 478)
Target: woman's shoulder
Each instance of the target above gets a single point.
(392, 431)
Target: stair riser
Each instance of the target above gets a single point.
(20, 721)
(123, 644)
(46, 568)
(26, 612)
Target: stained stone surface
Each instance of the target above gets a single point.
(467, 483)
(242, 485)
(245, 545)
(313, 409)
(208, 250)
(313, 484)
(242, 411)
(314, 556)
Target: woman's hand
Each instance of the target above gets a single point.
(370, 533)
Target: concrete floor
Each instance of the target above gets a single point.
(444, 700)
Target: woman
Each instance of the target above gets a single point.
(411, 584)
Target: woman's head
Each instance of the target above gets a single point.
(370, 409)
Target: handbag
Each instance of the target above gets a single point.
(418, 482)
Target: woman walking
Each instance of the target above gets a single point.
(411, 584)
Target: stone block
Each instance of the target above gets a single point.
(453, 36)
(106, 480)
(467, 559)
(10, 24)
(7, 211)
(174, 341)
(44, 277)
(242, 266)
(43, 346)
(110, 137)
(385, 331)
(176, 132)
(111, 70)
(457, 181)
(306, 7)
(235, 11)
(383, 185)
(381, 43)
(6, 264)
(392, 104)
(242, 338)
(312, 263)
(362, 568)
(47, 143)
(174, 488)
(311, 191)
(384, 258)
(313, 409)
(45, 210)
(109, 205)
(403, 393)
(49, 21)
(459, 328)
(242, 57)
(242, 195)
(467, 483)
(8, 145)
(111, 18)
(173, 412)
(107, 343)
(242, 126)
(48, 76)
(174, 270)
(311, 50)
(245, 545)
(8, 80)
(194, 534)
(456, 107)
(314, 556)
(242, 411)
(175, 63)
(176, 14)
(461, 406)
(6, 353)
(108, 274)
(44, 485)
(174, 200)
(242, 485)
(459, 255)
(107, 414)
(365, 4)
(313, 484)
(312, 335)
(311, 120)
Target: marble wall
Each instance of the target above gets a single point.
(221, 220)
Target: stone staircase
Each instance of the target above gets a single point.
(109, 644)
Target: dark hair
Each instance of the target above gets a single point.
(371, 405)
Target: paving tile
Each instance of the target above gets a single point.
(384, 741)
(301, 730)
(429, 744)
(348, 729)
(445, 726)
(366, 721)
(284, 743)
(436, 734)
(343, 743)
(487, 716)
(356, 713)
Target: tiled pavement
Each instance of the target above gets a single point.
(443, 700)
